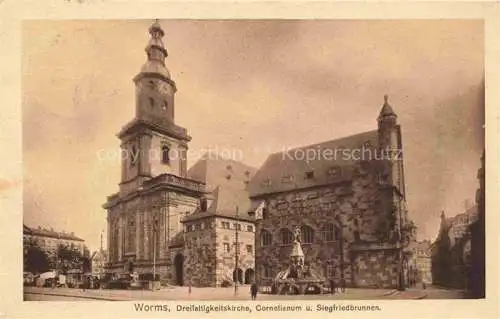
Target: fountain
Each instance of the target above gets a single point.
(299, 278)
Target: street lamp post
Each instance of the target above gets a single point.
(236, 256)
(155, 228)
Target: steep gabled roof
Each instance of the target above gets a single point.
(227, 180)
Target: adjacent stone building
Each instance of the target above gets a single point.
(348, 197)
(145, 233)
(210, 233)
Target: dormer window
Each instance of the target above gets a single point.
(266, 182)
(287, 179)
(334, 171)
(165, 156)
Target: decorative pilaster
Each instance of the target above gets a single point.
(120, 238)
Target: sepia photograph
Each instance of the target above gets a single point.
(253, 160)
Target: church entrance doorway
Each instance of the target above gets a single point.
(179, 269)
(238, 275)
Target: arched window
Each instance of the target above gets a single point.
(131, 234)
(329, 232)
(164, 106)
(286, 236)
(266, 238)
(165, 156)
(266, 271)
(133, 155)
(265, 213)
(337, 233)
(203, 205)
(307, 234)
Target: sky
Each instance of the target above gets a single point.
(251, 87)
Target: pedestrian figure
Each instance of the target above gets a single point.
(332, 286)
(253, 290)
(84, 284)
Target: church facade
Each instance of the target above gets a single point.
(179, 225)
(145, 233)
(348, 198)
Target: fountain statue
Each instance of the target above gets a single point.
(299, 278)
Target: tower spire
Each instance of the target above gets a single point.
(155, 49)
(386, 108)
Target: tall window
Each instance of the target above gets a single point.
(151, 102)
(307, 234)
(226, 247)
(266, 271)
(337, 233)
(131, 234)
(266, 238)
(133, 155)
(329, 232)
(286, 236)
(203, 205)
(165, 156)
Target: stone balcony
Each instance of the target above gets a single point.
(175, 181)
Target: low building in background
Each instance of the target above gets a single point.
(99, 259)
(422, 258)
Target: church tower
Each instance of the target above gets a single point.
(392, 168)
(152, 144)
(145, 231)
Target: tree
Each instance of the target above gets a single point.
(35, 259)
(68, 257)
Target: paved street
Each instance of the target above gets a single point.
(182, 293)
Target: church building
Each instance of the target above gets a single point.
(348, 198)
(145, 233)
(186, 227)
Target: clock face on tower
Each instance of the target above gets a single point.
(163, 89)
